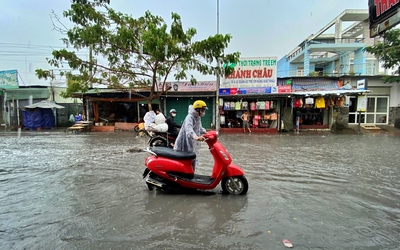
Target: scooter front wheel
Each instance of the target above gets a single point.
(235, 185)
(158, 141)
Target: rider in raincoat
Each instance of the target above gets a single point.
(190, 134)
(149, 118)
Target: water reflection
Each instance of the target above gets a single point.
(197, 220)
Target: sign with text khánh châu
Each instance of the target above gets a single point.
(252, 72)
(9, 79)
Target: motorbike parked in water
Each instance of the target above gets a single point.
(172, 170)
(161, 139)
(139, 128)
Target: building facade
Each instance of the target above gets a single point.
(338, 51)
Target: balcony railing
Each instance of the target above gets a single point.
(330, 41)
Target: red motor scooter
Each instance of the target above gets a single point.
(172, 170)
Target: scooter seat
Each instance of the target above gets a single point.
(170, 153)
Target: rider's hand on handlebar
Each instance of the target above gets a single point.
(200, 138)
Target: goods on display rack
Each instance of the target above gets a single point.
(314, 110)
(262, 113)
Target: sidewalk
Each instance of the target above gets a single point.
(380, 129)
(352, 129)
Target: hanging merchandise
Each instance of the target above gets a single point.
(262, 104)
(309, 100)
(227, 105)
(221, 102)
(253, 106)
(258, 105)
(255, 120)
(298, 103)
(239, 114)
(232, 105)
(266, 105)
(320, 103)
(222, 120)
(245, 105)
(238, 105)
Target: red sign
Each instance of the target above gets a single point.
(381, 10)
(284, 89)
(234, 91)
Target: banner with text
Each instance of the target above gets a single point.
(255, 91)
(252, 72)
(188, 86)
(9, 79)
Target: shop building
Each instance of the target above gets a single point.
(319, 103)
(182, 94)
(13, 98)
(336, 54)
(252, 87)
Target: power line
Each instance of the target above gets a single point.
(29, 45)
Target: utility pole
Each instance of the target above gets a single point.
(90, 66)
(217, 118)
(53, 99)
(86, 101)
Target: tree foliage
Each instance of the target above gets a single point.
(134, 53)
(388, 52)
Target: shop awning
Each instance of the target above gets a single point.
(331, 92)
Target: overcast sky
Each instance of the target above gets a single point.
(260, 28)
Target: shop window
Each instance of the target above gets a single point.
(381, 104)
(352, 118)
(370, 118)
(376, 112)
(381, 119)
(300, 72)
(371, 104)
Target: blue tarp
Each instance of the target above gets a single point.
(43, 118)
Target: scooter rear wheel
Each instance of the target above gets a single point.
(235, 185)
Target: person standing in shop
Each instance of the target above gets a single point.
(245, 120)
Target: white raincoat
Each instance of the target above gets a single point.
(149, 118)
(190, 130)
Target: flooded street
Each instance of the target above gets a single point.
(85, 191)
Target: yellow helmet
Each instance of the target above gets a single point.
(199, 104)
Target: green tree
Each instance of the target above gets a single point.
(388, 52)
(134, 53)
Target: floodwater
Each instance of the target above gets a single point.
(85, 191)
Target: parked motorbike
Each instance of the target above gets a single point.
(172, 170)
(161, 139)
(139, 128)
